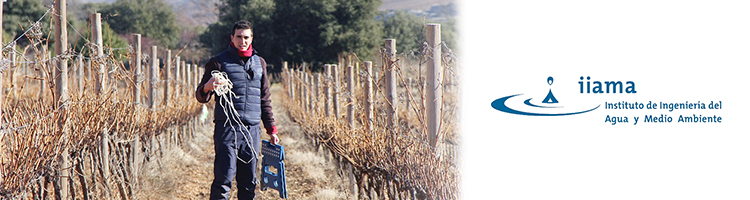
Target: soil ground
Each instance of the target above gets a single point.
(186, 172)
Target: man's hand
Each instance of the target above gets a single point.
(212, 84)
(274, 139)
(273, 132)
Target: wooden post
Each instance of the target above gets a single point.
(181, 81)
(301, 85)
(146, 69)
(434, 87)
(184, 77)
(285, 71)
(297, 86)
(61, 94)
(195, 77)
(98, 51)
(194, 71)
(327, 89)
(368, 95)
(136, 156)
(191, 73)
(177, 77)
(335, 90)
(390, 84)
(104, 154)
(348, 58)
(306, 91)
(311, 91)
(61, 45)
(318, 81)
(138, 73)
(291, 83)
(167, 76)
(188, 77)
(350, 98)
(189, 69)
(12, 68)
(80, 75)
(1, 74)
(298, 81)
(376, 84)
(154, 79)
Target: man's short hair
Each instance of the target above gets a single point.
(242, 24)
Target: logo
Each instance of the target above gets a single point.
(549, 106)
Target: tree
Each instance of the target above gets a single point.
(17, 16)
(300, 30)
(406, 28)
(150, 18)
(110, 40)
(449, 34)
(259, 13)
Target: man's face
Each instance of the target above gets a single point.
(242, 38)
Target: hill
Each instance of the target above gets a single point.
(203, 12)
(412, 4)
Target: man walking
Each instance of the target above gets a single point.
(237, 134)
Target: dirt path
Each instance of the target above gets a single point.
(187, 172)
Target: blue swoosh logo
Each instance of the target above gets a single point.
(499, 104)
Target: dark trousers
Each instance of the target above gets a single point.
(227, 165)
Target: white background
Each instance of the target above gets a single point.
(674, 51)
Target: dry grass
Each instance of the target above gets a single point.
(308, 170)
(183, 171)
